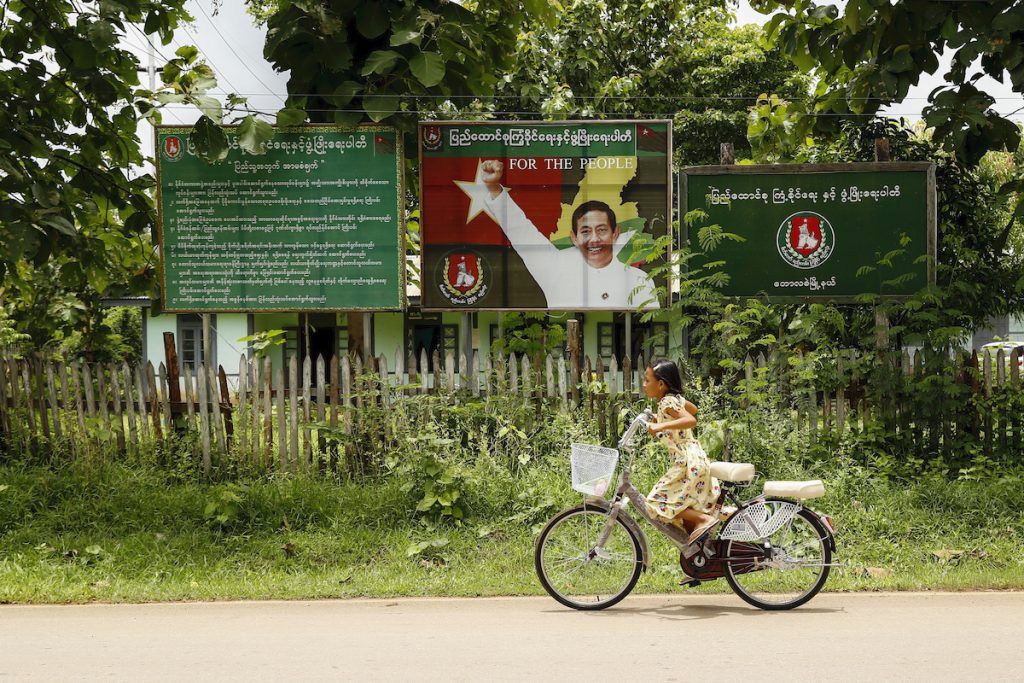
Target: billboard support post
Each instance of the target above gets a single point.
(629, 333)
(207, 355)
(367, 337)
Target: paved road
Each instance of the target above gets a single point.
(855, 637)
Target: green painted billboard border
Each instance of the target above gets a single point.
(667, 283)
(931, 208)
(309, 128)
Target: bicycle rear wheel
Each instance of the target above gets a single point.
(576, 573)
(783, 570)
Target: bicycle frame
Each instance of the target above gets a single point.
(626, 493)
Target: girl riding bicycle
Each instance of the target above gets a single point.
(687, 492)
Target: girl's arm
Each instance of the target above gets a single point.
(681, 419)
(690, 408)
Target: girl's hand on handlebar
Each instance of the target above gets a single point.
(653, 428)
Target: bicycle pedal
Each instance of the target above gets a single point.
(692, 583)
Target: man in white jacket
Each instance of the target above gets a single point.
(589, 276)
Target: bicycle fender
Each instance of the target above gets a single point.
(645, 550)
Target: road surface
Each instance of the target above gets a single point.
(835, 637)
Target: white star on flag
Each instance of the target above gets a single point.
(478, 194)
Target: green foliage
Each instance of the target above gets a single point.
(534, 334)
(433, 478)
(687, 64)
(265, 341)
(224, 507)
(871, 55)
(351, 62)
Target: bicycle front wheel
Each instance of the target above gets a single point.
(783, 570)
(578, 574)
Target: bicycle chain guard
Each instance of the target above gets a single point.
(704, 568)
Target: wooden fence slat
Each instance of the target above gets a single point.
(513, 374)
(40, 390)
(321, 410)
(17, 421)
(90, 394)
(26, 392)
(152, 400)
(987, 418)
(293, 405)
(840, 393)
(101, 384)
(999, 419)
(133, 433)
(335, 408)
(549, 375)
(244, 414)
(384, 381)
(115, 391)
(256, 421)
(306, 451)
(1015, 421)
(563, 389)
(165, 397)
(190, 396)
(140, 397)
(627, 375)
(203, 395)
(51, 389)
(216, 414)
(613, 375)
(226, 413)
(282, 419)
(267, 384)
(5, 421)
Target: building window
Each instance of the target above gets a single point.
(190, 341)
(649, 339)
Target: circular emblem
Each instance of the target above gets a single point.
(805, 240)
(172, 148)
(463, 277)
(432, 138)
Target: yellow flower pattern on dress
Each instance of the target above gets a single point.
(688, 482)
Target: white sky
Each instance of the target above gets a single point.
(233, 47)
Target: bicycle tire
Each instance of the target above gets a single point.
(822, 547)
(625, 556)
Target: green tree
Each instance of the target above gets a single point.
(71, 104)
(869, 55)
(354, 61)
(673, 59)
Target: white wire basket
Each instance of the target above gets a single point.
(592, 468)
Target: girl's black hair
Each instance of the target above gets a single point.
(667, 372)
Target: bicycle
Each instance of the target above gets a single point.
(774, 552)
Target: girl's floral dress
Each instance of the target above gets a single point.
(688, 482)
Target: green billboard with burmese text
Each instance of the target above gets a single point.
(815, 232)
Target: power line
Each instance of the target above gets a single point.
(624, 98)
(218, 71)
(630, 114)
(230, 47)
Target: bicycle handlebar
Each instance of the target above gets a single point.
(641, 419)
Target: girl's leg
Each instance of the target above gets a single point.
(692, 518)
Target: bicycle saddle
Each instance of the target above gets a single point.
(814, 488)
(732, 471)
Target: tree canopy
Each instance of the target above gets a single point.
(871, 52)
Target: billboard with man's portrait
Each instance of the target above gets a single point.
(543, 216)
